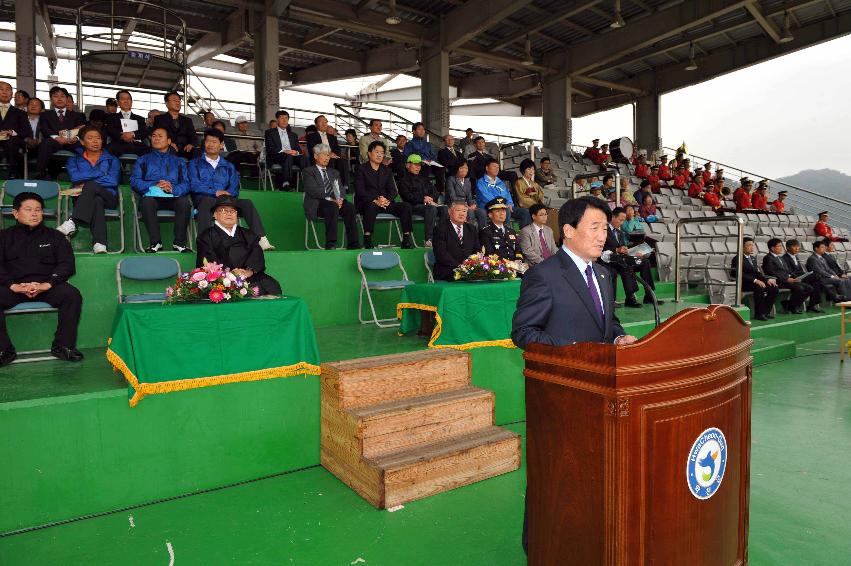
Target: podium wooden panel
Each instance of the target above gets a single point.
(610, 432)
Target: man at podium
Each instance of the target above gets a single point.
(568, 297)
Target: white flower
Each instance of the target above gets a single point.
(226, 282)
(203, 284)
(230, 276)
(227, 296)
(243, 291)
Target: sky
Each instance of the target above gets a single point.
(773, 119)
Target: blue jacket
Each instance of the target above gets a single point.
(421, 147)
(158, 166)
(485, 192)
(205, 181)
(106, 171)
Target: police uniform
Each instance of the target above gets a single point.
(504, 241)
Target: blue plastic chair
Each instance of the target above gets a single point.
(379, 261)
(429, 260)
(31, 307)
(48, 190)
(145, 268)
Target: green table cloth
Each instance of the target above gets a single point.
(163, 348)
(467, 315)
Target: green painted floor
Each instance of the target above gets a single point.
(800, 512)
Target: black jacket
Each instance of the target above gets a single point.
(40, 255)
(16, 120)
(776, 267)
(372, 184)
(113, 128)
(181, 131)
(476, 161)
(273, 141)
(414, 188)
(615, 238)
(832, 263)
(451, 159)
(240, 252)
(503, 243)
(398, 163)
(449, 253)
(795, 267)
(49, 124)
(313, 139)
(750, 271)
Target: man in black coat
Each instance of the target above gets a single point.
(793, 248)
(235, 247)
(416, 189)
(321, 135)
(450, 156)
(754, 281)
(127, 131)
(375, 193)
(478, 160)
(774, 265)
(454, 241)
(14, 130)
(58, 129)
(35, 265)
(496, 237)
(180, 129)
(325, 198)
(831, 259)
(625, 265)
(282, 149)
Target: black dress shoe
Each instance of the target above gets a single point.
(769, 316)
(760, 317)
(407, 242)
(648, 301)
(332, 245)
(355, 245)
(67, 354)
(367, 242)
(632, 303)
(7, 357)
(815, 309)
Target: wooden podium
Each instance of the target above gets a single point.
(640, 454)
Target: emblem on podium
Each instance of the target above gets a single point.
(706, 463)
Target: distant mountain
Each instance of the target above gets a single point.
(827, 182)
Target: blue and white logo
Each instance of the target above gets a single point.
(706, 463)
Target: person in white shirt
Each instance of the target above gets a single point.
(127, 131)
(282, 149)
(325, 198)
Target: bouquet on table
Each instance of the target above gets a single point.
(481, 267)
(212, 282)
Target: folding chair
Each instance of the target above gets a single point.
(32, 307)
(379, 261)
(145, 268)
(384, 217)
(429, 260)
(47, 190)
(161, 214)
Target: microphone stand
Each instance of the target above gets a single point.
(649, 292)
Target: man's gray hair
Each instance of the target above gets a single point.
(321, 148)
(458, 203)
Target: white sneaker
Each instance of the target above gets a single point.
(99, 249)
(68, 227)
(428, 243)
(265, 245)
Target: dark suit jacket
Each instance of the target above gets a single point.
(314, 189)
(450, 159)
(181, 132)
(112, 125)
(273, 141)
(369, 185)
(449, 253)
(313, 139)
(750, 271)
(477, 164)
(555, 305)
(240, 252)
(398, 163)
(615, 238)
(776, 267)
(49, 124)
(819, 266)
(832, 263)
(16, 120)
(795, 267)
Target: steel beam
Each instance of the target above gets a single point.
(766, 24)
(474, 17)
(25, 16)
(551, 19)
(392, 59)
(233, 33)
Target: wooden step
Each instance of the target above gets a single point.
(378, 379)
(399, 477)
(405, 423)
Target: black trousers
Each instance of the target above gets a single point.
(47, 148)
(89, 209)
(119, 148)
(12, 149)
(245, 207)
(238, 157)
(627, 266)
(763, 297)
(430, 216)
(62, 296)
(330, 213)
(401, 210)
(285, 174)
(182, 207)
(800, 292)
(268, 284)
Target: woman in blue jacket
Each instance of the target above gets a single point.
(97, 173)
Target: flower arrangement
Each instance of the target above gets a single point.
(213, 282)
(481, 267)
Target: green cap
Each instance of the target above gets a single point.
(415, 158)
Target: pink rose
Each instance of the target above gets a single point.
(213, 276)
(216, 296)
(199, 276)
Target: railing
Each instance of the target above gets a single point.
(740, 223)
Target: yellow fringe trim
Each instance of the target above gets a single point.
(438, 328)
(142, 389)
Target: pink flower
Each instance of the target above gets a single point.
(169, 292)
(199, 276)
(216, 296)
(255, 291)
(213, 275)
(243, 292)
(213, 267)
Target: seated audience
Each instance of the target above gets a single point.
(642, 171)
(596, 190)
(468, 144)
(450, 156)
(161, 182)
(180, 130)
(754, 281)
(707, 172)
(374, 134)
(654, 179)
(350, 152)
(397, 155)
(793, 248)
(32, 138)
(593, 151)
(648, 210)
(454, 241)
(321, 135)
(59, 129)
(664, 169)
(632, 224)
(417, 190)
(836, 288)
(459, 189)
(536, 240)
(127, 131)
(477, 159)
(496, 237)
(627, 197)
(680, 178)
(774, 264)
(246, 150)
(97, 118)
(759, 200)
(822, 229)
(778, 205)
(211, 177)
(282, 149)
(220, 126)
(325, 198)
(603, 156)
(527, 190)
(625, 265)
(545, 175)
(152, 115)
(22, 100)
(35, 265)
(375, 192)
(97, 173)
(490, 186)
(419, 145)
(13, 131)
(831, 260)
(111, 106)
(235, 247)
(743, 198)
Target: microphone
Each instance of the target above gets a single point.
(649, 292)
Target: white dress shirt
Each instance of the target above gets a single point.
(285, 139)
(211, 162)
(582, 265)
